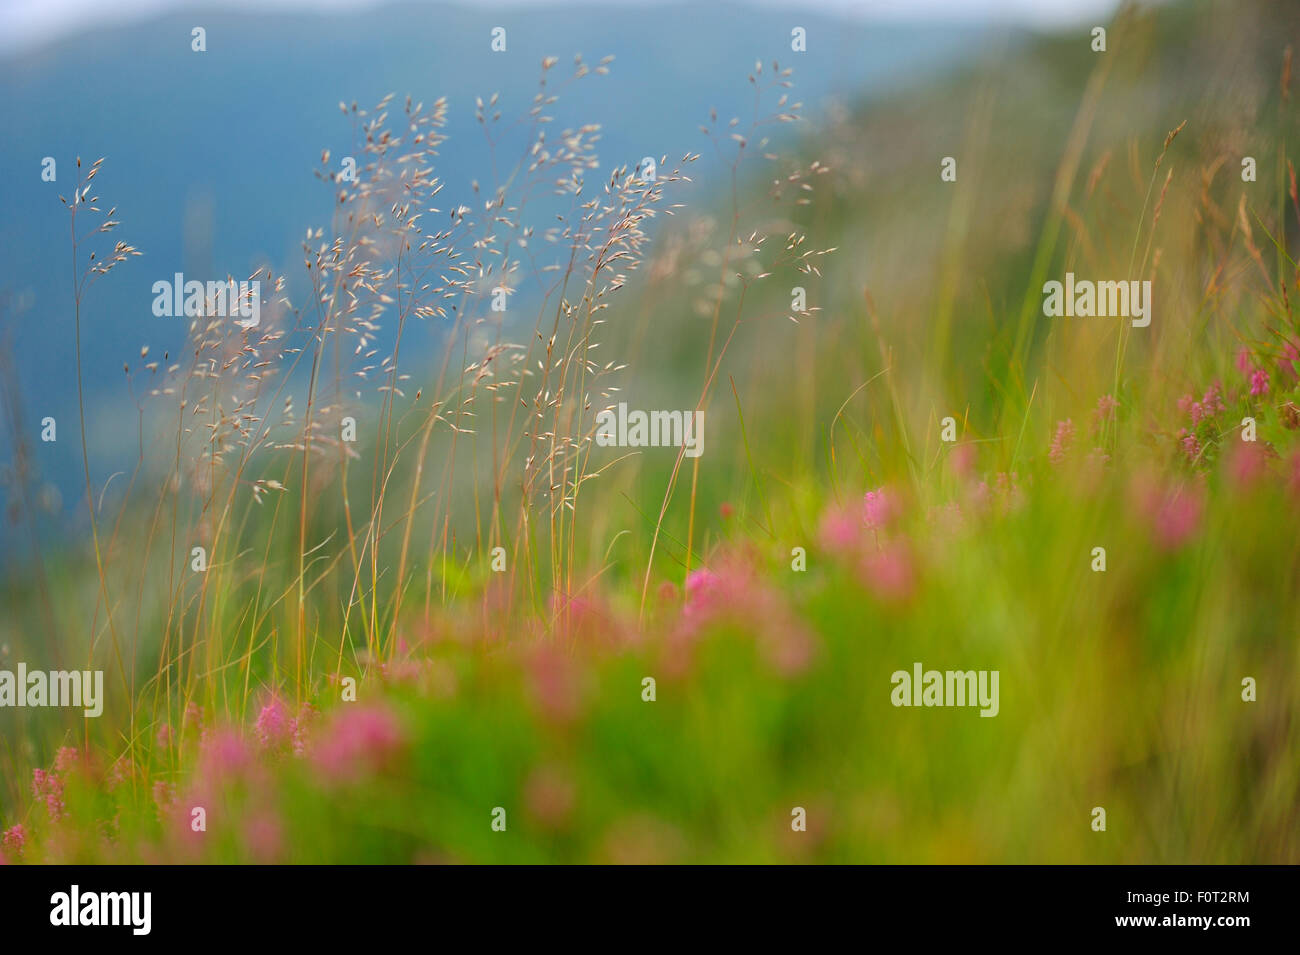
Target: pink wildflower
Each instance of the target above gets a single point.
(1212, 402)
(65, 759)
(1006, 491)
(702, 589)
(262, 835)
(49, 786)
(1258, 383)
(1177, 519)
(164, 794)
(1061, 441)
(360, 739)
(223, 754)
(962, 460)
(1286, 364)
(13, 841)
(839, 531)
(878, 509)
(298, 728)
(272, 726)
(117, 773)
(1243, 360)
(890, 573)
(1246, 465)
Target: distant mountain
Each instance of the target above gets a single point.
(210, 155)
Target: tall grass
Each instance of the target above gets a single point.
(329, 560)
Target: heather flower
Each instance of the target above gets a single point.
(298, 727)
(117, 773)
(702, 589)
(1212, 401)
(1173, 512)
(1190, 445)
(733, 587)
(1286, 364)
(164, 794)
(890, 573)
(263, 836)
(1246, 465)
(1007, 488)
(1061, 441)
(272, 726)
(1243, 360)
(1258, 383)
(878, 509)
(1098, 459)
(223, 754)
(360, 739)
(54, 804)
(65, 759)
(962, 460)
(733, 592)
(1177, 519)
(49, 787)
(839, 531)
(13, 841)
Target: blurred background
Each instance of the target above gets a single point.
(923, 303)
(212, 155)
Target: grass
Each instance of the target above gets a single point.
(350, 679)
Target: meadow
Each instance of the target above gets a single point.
(381, 588)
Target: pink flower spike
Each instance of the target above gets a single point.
(1177, 519)
(1243, 360)
(13, 840)
(878, 508)
(839, 530)
(272, 724)
(1061, 441)
(361, 739)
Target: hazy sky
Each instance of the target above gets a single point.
(28, 22)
